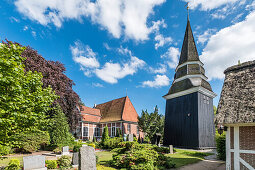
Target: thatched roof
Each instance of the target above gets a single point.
(237, 101)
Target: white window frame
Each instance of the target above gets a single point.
(83, 132)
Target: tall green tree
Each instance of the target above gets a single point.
(151, 123)
(105, 135)
(58, 128)
(23, 100)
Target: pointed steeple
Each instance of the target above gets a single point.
(190, 73)
(189, 50)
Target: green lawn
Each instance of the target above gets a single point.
(185, 157)
(103, 158)
(5, 160)
(180, 158)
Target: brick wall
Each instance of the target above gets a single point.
(246, 142)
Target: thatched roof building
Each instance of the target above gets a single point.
(237, 101)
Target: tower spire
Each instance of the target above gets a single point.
(187, 5)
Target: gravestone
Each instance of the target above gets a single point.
(35, 162)
(75, 160)
(87, 158)
(130, 137)
(171, 149)
(65, 150)
(125, 137)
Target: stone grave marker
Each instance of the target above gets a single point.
(75, 160)
(35, 162)
(130, 137)
(171, 148)
(87, 158)
(65, 150)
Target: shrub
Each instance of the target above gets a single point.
(4, 150)
(59, 129)
(14, 164)
(64, 161)
(221, 146)
(132, 155)
(51, 164)
(92, 145)
(31, 141)
(112, 142)
(105, 135)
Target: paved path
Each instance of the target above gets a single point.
(210, 163)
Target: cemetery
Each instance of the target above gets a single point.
(45, 125)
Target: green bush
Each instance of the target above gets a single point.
(105, 135)
(132, 155)
(31, 141)
(14, 164)
(4, 150)
(64, 161)
(112, 142)
(92, 145)
(58, 129)
(221, 146)
(51, 164)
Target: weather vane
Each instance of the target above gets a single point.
(187, 5)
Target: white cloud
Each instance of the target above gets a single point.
(111, 72)
(33, 34)
(229, 45)
(203, 38)
(117, 16)
(97, 85)
(159, 81)
(210, 4)
(172, 55)
(107, 46)
(161, 41)
(85, 57)
(25, 28)
(162, 69)
(13, 19)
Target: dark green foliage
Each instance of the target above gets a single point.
(118, 133)
(58, 129)
(151, 123)
(221, 146)
(31, 141)
(105, 136)
(23, 101)
(77, 146)
(64, 161)
(132, 155)
(14, 164)
(4, 150)
(51, 164)
(112, 142)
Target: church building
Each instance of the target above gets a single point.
(189, 117)
(115, 114)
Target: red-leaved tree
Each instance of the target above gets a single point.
(54, 76)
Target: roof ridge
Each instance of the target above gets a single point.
(240, 66)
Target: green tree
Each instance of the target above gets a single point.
(151, 123)
(105, 135)
(23, 101)
(214, 110)
(58, 128)
(118, 133)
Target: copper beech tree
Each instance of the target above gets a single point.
(54, 76)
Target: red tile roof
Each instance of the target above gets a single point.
(115, 110)
(90, 114)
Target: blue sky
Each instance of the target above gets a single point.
(112, 46)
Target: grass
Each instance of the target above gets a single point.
(103, 158)
(4, 161)
(180, 158)
(185, 157)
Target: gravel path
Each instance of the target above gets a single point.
(210, 163)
